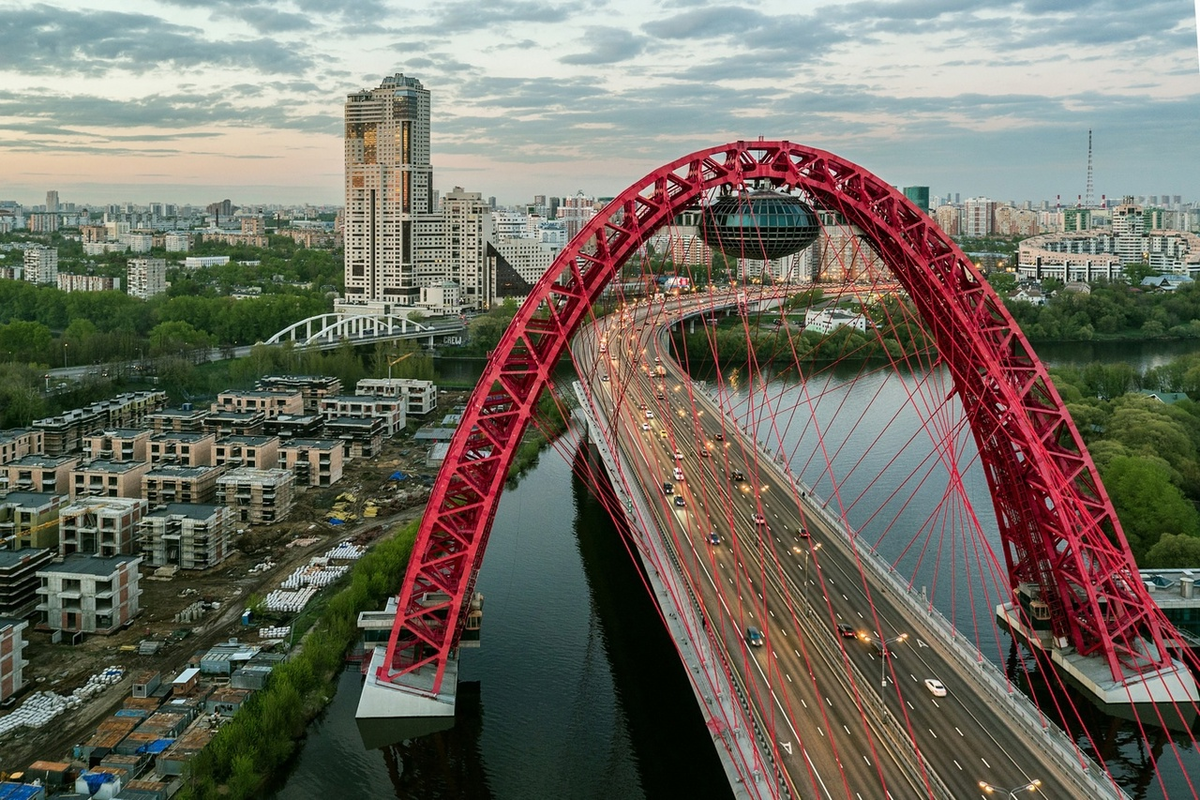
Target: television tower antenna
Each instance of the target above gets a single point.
(1089, 197)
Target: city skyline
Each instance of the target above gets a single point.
(190, 102)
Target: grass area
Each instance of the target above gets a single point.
(262, 737)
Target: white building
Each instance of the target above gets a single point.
(41, 265)
(420, 397)
(827, 320)
(979, 217)
(177, 242)
(196, 262)
(146, 277)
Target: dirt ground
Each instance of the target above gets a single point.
(224, 590)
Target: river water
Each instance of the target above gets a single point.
(576, 690)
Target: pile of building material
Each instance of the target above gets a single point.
(317, 573)
(41, 707)
(345, 552)
(262, 566)
(291, 602)
(99, 682)
(275, 632)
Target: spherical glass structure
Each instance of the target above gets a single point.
(761, 225)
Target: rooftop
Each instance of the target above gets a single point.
(27, 499)
(43, 462)
(77, 564)
(189, 510)
(14, 558)
(103, 465)
(179, 436)
(305, 444)
(252, 441)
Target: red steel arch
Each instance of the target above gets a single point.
(1056, 522)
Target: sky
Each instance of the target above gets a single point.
(192, 101)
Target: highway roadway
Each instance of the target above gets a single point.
(816, 691)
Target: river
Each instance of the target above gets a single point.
(576, 690)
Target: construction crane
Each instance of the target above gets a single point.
(394, 361)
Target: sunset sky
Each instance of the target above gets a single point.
(197, 100)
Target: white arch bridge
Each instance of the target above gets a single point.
(325, 331)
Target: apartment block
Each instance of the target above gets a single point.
(311, 387)
(388, 409)
(71, 282)
(102, 478)
(420, 397)
(257, 496)
(103, 526)
(314, 462)
(186, 535)
(261, 452)
(178, 420)
(89, 594)
(271, 404)
(64, 433)
(170, 483)
(50, 474)
(146, 277)
(18, 442)
(30, 519)
(117, 445)
(290, 426)
(184, 449)
(19, 581)
(12, 656)
(361, 437)
(235, 423)
(41, 265)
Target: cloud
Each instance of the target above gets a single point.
(608, 46)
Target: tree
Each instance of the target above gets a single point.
(1147, 503)
(1174, 551)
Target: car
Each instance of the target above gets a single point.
(645, 426)
(754, 637)
(759, 519)
(678, 474)
(704, 452)
(604, 379)
(679, 501)
(935, 687)
(847, 631)
(714, 537)
(642, 406)
(737, 475)
(804, 534)
(668, 487)
(657, 360)
(678, 456)
(720, 437)
(649, 414)
(663, 433)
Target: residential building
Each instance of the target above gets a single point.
(70, 282)
(187, 535)
(19, 581)
(86, 594)
(30, 519)
(19, 442)
(290, 426)
(261, 452)
(177, 242)
(361, 437)
(171, 483)
(64, 433)
(41, 265)
(388, 182)
(257, 496)
(314, 462)
(236, 423)
(184, 449)
(100, 526)
(51, 474)
(102, 478)
(12, 656)
(311, 387)
(271, 404)
(146, 277)
(456, 249)
(178, 420)
(388, 409)
(979, 217)
(420, 397)
(124, 444)
(919, 195)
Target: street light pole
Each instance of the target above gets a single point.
(883, 654)
(1032, 786)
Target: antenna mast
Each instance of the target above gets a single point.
(1089, 199)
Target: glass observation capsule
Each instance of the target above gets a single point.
(761, 225)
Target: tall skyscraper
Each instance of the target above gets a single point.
(389, 183)
(52, 201)
(919, 195)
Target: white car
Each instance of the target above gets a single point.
(759, 519)
(678, 456)
(649, 414)
(645, 426)
(935, 687)
(678, 474)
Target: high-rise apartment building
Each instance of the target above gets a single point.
(52, 201)
(41, 265)
(389, 183)
(146, 277)
(919, 195)
(979, 217)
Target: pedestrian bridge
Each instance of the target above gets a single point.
(325, 331)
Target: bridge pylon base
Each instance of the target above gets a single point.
(1172, 688)
(392, 712)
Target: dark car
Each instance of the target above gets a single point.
(720, 437)
(679, 501)
(754, 637)
(737, 475)
(668, 487)
(847, 631)
(804, 534)
(714, 537)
